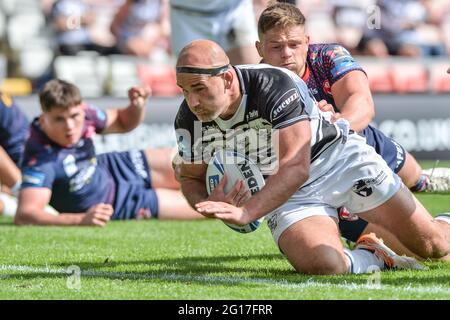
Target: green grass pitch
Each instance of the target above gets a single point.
(186, 260)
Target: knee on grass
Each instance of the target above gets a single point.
(434, 247)
(326, 261)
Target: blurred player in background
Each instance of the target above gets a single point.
(231, 23)
(141, 28)
(60, 166)
(72, 21)
(340, 84)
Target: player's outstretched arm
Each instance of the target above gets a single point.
(192, 180)
(31, 211)
(9, 173)
(126, 119)
(354, 100)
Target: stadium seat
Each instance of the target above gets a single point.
(409, 77)
(35, 60)
(439, 79)
(22, 6)
(11, 7)
(123, 74)
(160, 78)
(378, 74)
(16, 86)
(85, 71)
(2, 25)
(3, 67)
(321, 21)
(18, 35)
(7, 6)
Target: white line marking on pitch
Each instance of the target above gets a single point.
(225, 280)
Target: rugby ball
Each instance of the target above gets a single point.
(237, 167)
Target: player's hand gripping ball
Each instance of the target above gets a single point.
(237, 167)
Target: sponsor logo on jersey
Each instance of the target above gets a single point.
(253, 138)
(252, 115)
(287, 98)
(84, 175)
(138, 162)
(183, 143)
(344, 67)
(69, 165)
(33, 178)
(364, 187)
(400, 155)
(272, 222)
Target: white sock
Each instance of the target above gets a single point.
(9, 204)
(443, 217)
(362, 261)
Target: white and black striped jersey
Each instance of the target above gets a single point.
(272, 98)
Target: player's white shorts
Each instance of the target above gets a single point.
(231, 28)
(358, 179)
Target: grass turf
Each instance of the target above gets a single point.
(185, 260)
(181, 260)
